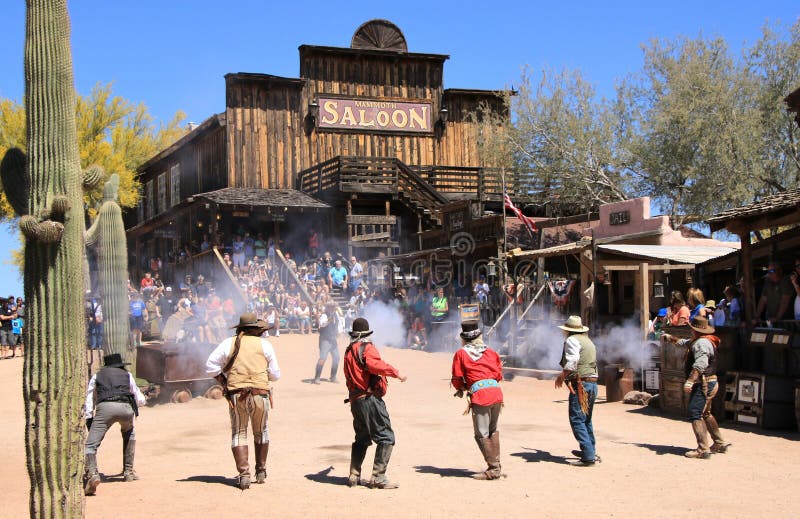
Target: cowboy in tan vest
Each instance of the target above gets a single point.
(245, 365)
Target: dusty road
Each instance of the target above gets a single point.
(185, 465)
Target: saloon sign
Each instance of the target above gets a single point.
(374, 114)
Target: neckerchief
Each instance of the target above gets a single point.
(475, 348)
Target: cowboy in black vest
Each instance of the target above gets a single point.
(701, 385)
(112, 397)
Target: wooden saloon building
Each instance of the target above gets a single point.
(366, 146)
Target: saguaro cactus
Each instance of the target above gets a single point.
(55, 338)
(107, 234)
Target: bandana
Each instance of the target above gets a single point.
(475, 349)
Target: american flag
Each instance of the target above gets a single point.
(529, 223)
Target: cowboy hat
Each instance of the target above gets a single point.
(574, 324)
(360, 328)
(701, 325)
(114, 361)
(470, 330)
(249, 320)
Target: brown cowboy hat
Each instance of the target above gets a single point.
(249, 320)
(701, 325)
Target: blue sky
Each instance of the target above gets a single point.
(173, 55)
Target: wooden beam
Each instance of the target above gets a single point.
(372, 236)
(747, 281)
(376, 244)
(360, 219)
(652, 267)
(644, 277)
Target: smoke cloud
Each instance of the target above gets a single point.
(386, 322)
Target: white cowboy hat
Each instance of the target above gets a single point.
(574, 324)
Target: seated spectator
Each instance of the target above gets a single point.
(417, 335)
(303, 313)
(201, 288)
(325, 266)
(147, 283)
(696, 302)
(274, 320)
(337, 276)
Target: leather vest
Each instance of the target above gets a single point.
(329, 332)
(712, 362)
(249, 370)
(587, 362)
(112, 384)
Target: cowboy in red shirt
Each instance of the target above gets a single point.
(366, 374)
(477, 370)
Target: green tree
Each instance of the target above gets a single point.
(775, 62)
(112, 132)
(559, 142)
(692, 127)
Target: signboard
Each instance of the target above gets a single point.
(278, 217)
(619, 218)
(166, 233)
(363, 114)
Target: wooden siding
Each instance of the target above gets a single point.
(267, 142)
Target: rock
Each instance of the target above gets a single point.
(637, 397)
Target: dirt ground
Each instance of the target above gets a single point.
(186, 469)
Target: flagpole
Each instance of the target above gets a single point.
(503, 180)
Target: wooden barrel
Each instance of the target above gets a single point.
(618, 381)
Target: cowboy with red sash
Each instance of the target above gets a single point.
(478, 371)
(365, 374)
(701, 385)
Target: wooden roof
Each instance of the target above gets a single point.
(770, 211)
(257, 197)
(212, 122)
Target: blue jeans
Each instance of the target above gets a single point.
(581, 423)
(96, 336)
(699, 403)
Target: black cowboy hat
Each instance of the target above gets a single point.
(470, 330)
(360, 328)
(114, 361)
(249, 320)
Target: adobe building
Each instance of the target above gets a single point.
(365, 146)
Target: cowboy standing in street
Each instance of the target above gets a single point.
(477, 369)
(579, 373)
(701, 386)
(245, 365)
(111, 397)
(366, 374)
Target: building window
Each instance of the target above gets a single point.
(148, 198)
(162, 193)
(175, 185)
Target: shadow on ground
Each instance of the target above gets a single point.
(659, 449)
(537, 455)
(221, 480)
(444, 472)
(323, 476)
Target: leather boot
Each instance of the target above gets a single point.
(491, 453)
(701, 434)
(357, 454)
(91, 478)
(262, 449)
(128, 453)
(720, 446)
(240, 456)
(382, 454)
(334, 370)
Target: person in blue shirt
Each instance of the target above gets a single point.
(338, 275)
(138, 315)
